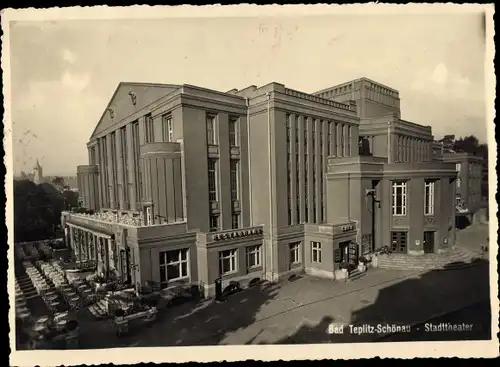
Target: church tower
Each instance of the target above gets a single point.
(37, 173)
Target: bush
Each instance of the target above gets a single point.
(344, 265)
(363, 260)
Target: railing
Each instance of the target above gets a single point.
(111, 218)
(310, 97)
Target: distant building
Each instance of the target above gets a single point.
(192, 184)
(38, 173)
(469, 180)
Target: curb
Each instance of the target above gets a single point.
(435, 316)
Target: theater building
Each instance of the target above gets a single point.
(190, 184)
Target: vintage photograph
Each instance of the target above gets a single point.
(248, 176)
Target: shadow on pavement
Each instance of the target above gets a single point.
(202, 322)
(410, 302)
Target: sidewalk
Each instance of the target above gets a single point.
(281, 313)
(472, 237)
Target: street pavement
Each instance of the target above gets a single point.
(302, 311)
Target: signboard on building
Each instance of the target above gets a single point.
(337, 255)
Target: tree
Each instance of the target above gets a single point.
(448, 142)
(37, 210)
(58, 182)
(71, 199)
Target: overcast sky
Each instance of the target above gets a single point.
(64, 72)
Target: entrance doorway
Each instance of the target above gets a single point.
(399, 241)
(344, 251)
(429, 242)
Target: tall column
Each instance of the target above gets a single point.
(345, 132)
(69, 243)
(294, 166)
(87, 245)
(121, 186)
(131, 168)
(99, 177)
(111, 184)
(333, 142)
(106, 258)
(103, 190)
(338, 138)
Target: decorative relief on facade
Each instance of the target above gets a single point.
(429, 221)
(397, 221)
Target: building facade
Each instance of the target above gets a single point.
(190, 184)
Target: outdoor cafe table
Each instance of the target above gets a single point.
(51, 297)
(24, 316)
(60, 316)
(87, 292)
(21, 310)
(42, 320)
(39, 328)
(21, 303)
(61, 324)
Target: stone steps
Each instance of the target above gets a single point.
(354, 275)
(453, 260)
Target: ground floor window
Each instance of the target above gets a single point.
(315, 252)
(173, 265)
(227, 261)
(254, 258)
(295, 253)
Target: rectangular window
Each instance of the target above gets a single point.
(173, 265)
(212, 179)
(316, 252)
(235, 221)
(459, 182)
(429, 198)
(227, 261)
(167, 129)
(211, 135)
(149, 132)
(233, 131)
(254, 258)
(399, 198)
(214, 223)
(458, 167)
(234, 172)
(295, 253)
